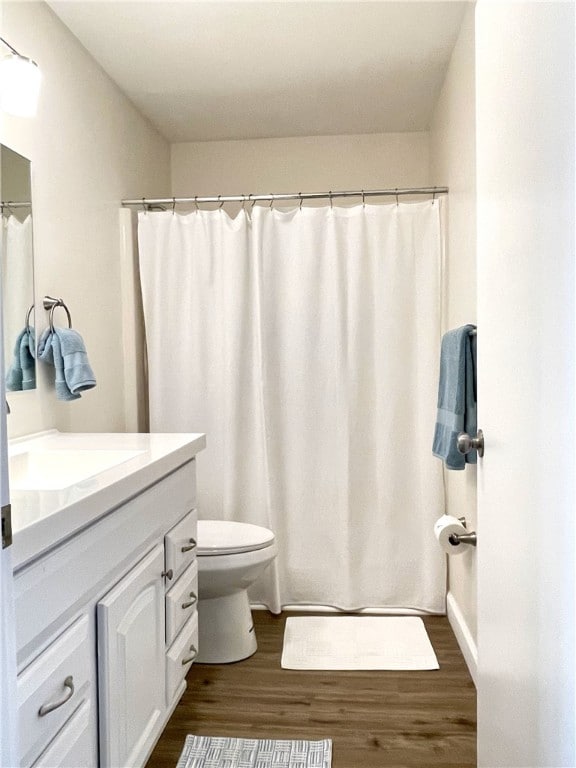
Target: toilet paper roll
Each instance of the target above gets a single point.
(444, 527)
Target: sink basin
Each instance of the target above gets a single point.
(54, 470)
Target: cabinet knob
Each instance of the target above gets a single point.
(190, 546)
(191, 602)
(190, 658)
(46, 708)
(168, 574)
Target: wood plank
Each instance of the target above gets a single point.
(376, 719)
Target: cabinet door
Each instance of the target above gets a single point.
(131, 673)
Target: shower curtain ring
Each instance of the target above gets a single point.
(397, 203)
(221, 204)
(173, 206)
(330, 196)
(271, 200)
(363, 200)
(196, 203)
(301, 200)
(434, 196)
(144, 204)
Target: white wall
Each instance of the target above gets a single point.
(308, 164)
(526, 484)
(453, 163)
(89, 149)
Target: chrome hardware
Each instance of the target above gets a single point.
(191, 602)
(27, 321)
(190, 658)
(190, 546)
(50, 303)
(6, 526)
(168, 574)
(46, 708)
(462, 538)
(466, 443)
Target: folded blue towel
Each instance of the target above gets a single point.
(22, 372)
(456, 397)
(64, 349)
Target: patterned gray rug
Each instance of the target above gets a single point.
(218, 752)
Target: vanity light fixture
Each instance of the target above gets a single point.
(19, 83)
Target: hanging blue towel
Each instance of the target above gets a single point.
(64, 349)
(22, 372)
(456, 397)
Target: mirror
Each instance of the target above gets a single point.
(17, 271)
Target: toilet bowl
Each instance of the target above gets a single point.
(231, 556)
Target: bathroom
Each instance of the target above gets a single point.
(499, 134)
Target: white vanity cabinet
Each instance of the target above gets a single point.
(107, 628)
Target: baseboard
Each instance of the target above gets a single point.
(307, 608)
(463, 635)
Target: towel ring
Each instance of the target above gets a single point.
(51, 304)
(27, 322)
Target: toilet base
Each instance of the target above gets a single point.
(226, 629)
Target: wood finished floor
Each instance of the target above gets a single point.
(375, 719)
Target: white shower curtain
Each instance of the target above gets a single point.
(305, 342)
(17, 271)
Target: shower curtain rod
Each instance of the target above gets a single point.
(144, 201)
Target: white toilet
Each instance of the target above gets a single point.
(231, 556)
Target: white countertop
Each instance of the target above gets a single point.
(42, 518)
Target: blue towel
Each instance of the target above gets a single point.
(22, 372)
(456, 397)
(64, 349)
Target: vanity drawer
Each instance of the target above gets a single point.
(181, 602)
(180, 657)
(75, 746)
(56, 683)
(180, 546)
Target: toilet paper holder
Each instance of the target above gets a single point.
(463, 538)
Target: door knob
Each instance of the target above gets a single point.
(465, 443)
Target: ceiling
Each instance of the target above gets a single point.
(215, 70)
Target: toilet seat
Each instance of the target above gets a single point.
(226, 537)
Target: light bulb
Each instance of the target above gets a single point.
(19, 85)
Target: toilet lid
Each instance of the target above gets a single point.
(225, 537)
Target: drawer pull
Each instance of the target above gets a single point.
(190, 546)
(46, 708)
(190, 658)
(168, 574)
(191, 602)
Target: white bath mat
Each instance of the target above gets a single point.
(357, 642)
(219, 752)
